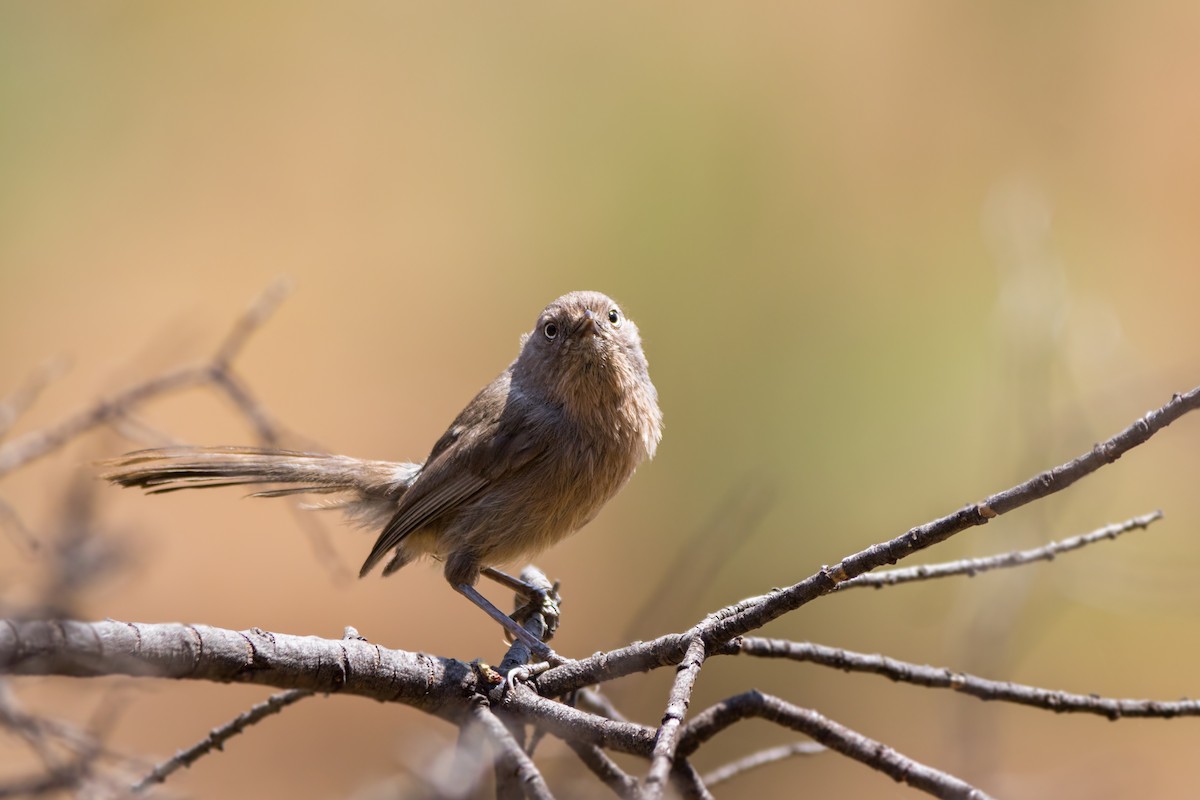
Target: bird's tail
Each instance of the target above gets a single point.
(371, 487)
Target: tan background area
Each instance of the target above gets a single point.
(887, 258)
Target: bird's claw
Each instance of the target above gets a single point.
(543, 601)
(525, 673)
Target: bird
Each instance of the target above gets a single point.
(530, 459)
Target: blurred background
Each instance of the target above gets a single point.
(886, 259)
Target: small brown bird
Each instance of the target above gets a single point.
(531, 459)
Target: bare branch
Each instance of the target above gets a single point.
(471, 757)
(571, 724)
(11, 521)
(41, 733)
(829, 733)
(677, 704)
(254, 318)
(218, 736)
(510, 755)
(1042, 485)
(16, 402)
(36, 732)
(53, 781)
(265, 427)
(760, 759)
(944, 678)
(199, 652)
(590, 699)
(73, 769)
(688, 782)
(132, 426)
(1016, 558)
(604, 768)
(751, 614)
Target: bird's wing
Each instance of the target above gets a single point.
(493, 437)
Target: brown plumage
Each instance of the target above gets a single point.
(531, 458)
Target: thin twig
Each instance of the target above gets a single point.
(761, 759)
(510, 755)
(677, 705)
(254, 318)
(74, 770)
(227, 381)
(133, 427)
(53, 781)
(572, 724)
(687, 781)
(218, 736)
(622, 784)
(469, 759)
(19, 400)
(11, 521)
(38, 732)
(267, 429)
(592, 699)
(80, 555)
(34, 731)
(1016, 558)
(833, 735)
(508, 785)
(943, 678)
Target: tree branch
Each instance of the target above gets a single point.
(571, 724)
(688, 782)
(218, 736)
(439, 686)
(1017, 558)
(751, 614)
(604, 768)
(836, 737)
(509, 753)
(677, 704)
(944, 678)
(760, 759)
(13, 405)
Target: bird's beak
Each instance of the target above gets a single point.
(590, 316)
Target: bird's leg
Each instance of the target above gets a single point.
(535, 646)
(528, 590)
(536, 589)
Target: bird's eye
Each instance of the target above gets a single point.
(614, 316)
(551, 330)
